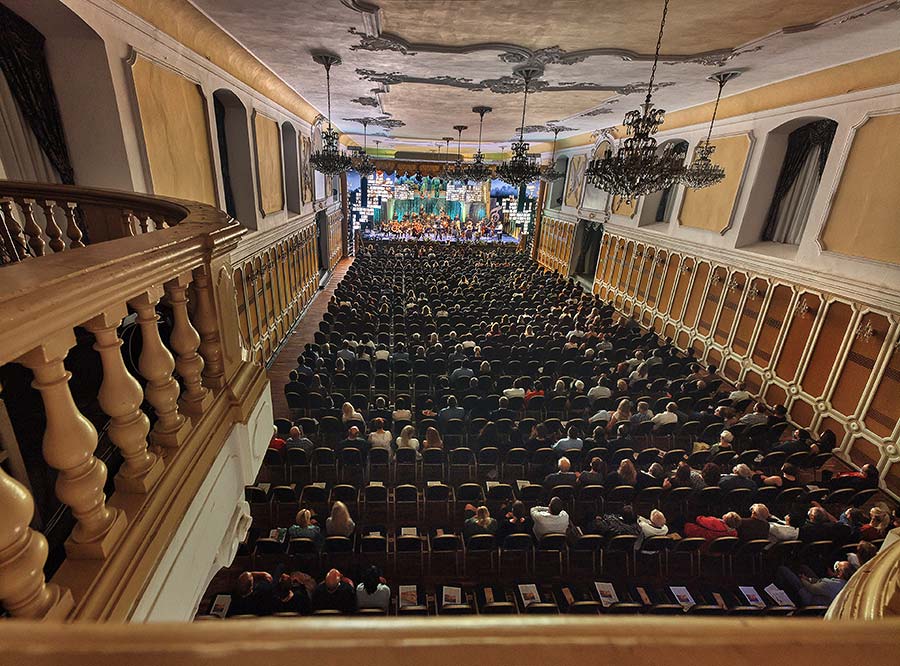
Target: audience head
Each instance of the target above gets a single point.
(627, 472)
(629, 517)
(244, 585)
(879, 518)
(482, 516)
(760, 512)
(378, 424)
(657, 518)
(564, 465)
(725, 439)
(672, 407)
(519, 510)
(843, 570)
(596, 465)
(296, 433)
(340, 514)
(303, 518)
(711, 474)
(683, 473)
(742, 471)
(657, 471)
(451, 401)
(732, 519)
(555, 506)
(332, 580)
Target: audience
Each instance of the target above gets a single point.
(335, 593)
(551, 519)
(339, 523)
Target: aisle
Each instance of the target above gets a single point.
(309, 324)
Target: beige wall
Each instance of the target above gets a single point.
(176, 134)
(268, 160)
(711, 208)
(575, 180)
(862, 221)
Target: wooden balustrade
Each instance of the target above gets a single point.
(197, 371)
(31, 215)
(873, 593)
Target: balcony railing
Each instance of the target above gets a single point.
(168, 417)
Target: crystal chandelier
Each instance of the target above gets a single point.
(478, 171)
(521, 169)
(329, 160)
(458, 172)
(548, 171)
(637, 169)
(363, 164)
(702, 172)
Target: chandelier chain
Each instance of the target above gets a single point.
(722, 82)
(662, 26)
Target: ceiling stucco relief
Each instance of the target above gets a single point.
(384, 121)
(428, 62)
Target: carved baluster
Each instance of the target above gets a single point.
(32, 230)
(54, 233)
(69, 444)
(72, 230)
(15, 231)
(127, 224)
(120, 397)
(185, 340)
(156, 365)
(208, 327)
(23, 554)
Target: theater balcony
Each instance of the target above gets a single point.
(133, 415)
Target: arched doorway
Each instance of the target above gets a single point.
(233, 137)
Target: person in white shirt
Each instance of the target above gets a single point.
(550, 519)
(778, 529)
(599, 391)
(514, 392)
(666, 417)
(740, 393)
(406, 439)
(635, 361)
(653, 526)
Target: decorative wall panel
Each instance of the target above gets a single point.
(273, 287)
(862, 220)
(833, 362)
(711, 208)
(555, 244)
(176, 132)
(575, 180)
(335, 238)
(268, 164)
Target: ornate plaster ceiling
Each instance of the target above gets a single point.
(415, 68)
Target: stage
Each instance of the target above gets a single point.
(369, 234)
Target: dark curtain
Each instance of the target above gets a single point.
(663, 204)
(800, 142)
(364, 191)
(590, 246)
(23, 64)
(219, 109)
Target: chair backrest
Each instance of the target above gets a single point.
(623, 542)
(338, 544)
(481, 542)
(406, 455)
(437, 492)
(375, 493)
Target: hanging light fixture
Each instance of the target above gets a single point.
(329, 160)
(548, 171)
(457, 172)
(636, 169)
(446, 168)
(478, 171)
(702, 172)
(521, 169)
(363, 164)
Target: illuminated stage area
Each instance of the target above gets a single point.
(432, 237)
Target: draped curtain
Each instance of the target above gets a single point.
(804, 161)
(21, 157)
(222, 139)
(590, 247)
(24, 66)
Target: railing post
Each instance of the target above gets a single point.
(15, 231)
(208, 327)
(120, 397)
(185, 340)
(156, 365)
(69, 444)
(23, 554)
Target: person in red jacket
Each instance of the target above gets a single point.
(711, 528)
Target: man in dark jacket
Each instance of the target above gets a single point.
(334, 593)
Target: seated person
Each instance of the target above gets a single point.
(372, 592)
(740, 393)
(741, 477)
(451, 411)
(724, 444)
(480, 523)
(339, 523)
(821, 526)
(652, 478)
(569, 443)
(516, 521)
(563, 476)
(810, 590)
(788, 477)
(711, 528)
(653, 526)
(503, 411)
(760, 414)
(685, 476)
(865, 478)
(594, 475)
(379, 438)
(779, 530)
(352, 441)
(432, 439)
(407, 440)
(276, 442)
(349, 413)
(625, 475)
(334, 593)
(551, 519)
(878, 525)
(304, 528)
(667, 417)
(252, 594)
(643, 413)
(753, 528)
(610, 525)
(290, 598)
(297, 440)
(800, 441)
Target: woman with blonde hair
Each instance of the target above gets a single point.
(348, 413)
(621, 415)
(878, 525)
(433, 439)
(339, 523)
(625, 475)
(303, 528)
(407, 440)
(480, 523)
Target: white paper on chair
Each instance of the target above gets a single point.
(778, 595)
(379, 484)
(318, 484)
(529, 594)
(752, 596)
(607, 593)
(491, 484)
(434, 483)
(488, 595)
(683, 597)
(408, 531)
(408, 595)
(221, 605)
(451, 596)
(645, 598)
(521, 483)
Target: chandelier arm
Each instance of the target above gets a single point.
(662, 25)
